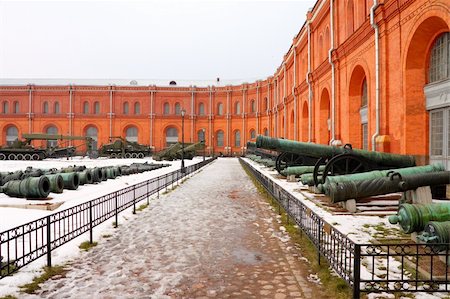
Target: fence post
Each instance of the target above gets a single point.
(91, 238)
(49, 244)
(319, 241)
(134, 199)
(287, 211)
(356, 271)
(117, 211)
(148, 193)
(157, 188)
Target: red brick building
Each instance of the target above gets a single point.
(375, 74)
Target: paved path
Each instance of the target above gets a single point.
(212, 237)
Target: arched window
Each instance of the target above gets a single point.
(237, 138)
(201, 109)
(126, 108)
(85, 108)
(253, 106)
(137, 108)
(166, 109)
(52, 143)
(92, 132)
(321, 49)
(266, 132)
(219, 109)
(266, 104)
(364, 93)
(177, 109)
(56, 109)
(252, 134)
(237, 108)
(350, 18)
(200, 135)
(440, 59)
(96, 108)
(45, 108)
(131, 134)
(5, 107)
(171, 136)
(220, 138)
(16, 108)
(12, 134)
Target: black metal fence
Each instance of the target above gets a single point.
(367, 268)
(26, 243)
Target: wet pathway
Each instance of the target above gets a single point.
(212, 237)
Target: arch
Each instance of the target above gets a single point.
(201, 109)
(200, 135)
(131, 133)
(96, 107)
(52, 130)
(237, 138)
(219, 108)
(358, 108)
(304, 122)
(350, 18)
(166, 108)
(252, 134)
(126, 108)
(177, 108)
(85, 107)
(266, 132)
(237, 108)
(92, 131)
(56, 108)
(137, 108)
(415, 77)
(220, 138)
(171, 135)
(16, 107)
(12, 134)
(45, 108)
(324, 117)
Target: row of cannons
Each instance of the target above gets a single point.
(344, 173)
(35, 183)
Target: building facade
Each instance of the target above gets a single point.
(375, 74)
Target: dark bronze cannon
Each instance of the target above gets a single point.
(31, 187)
(71, 180)
(56, 182)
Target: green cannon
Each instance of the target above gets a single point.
(56, 182)
(10, 176)
(414, 217)
(190, 151)
(395, 182)
(300, 170)
(110, 172)
(436, 233)
(32, 187)
(122, 148)
(337, 160)
(85, 177)
(104, 174)
(73, 169)
(168, 153)
(71, 180)
(97, 175)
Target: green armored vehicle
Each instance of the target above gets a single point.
(22, 150)
(122, 148)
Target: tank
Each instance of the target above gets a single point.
(122, 148)
(31, 188)
(22, 150)
(414, 217)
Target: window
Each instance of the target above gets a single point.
(45, 108)
(12, 134)
(220, 109)
(266, 104)
(86, 108)
(96, 108)
(16, 107)
(171, 136)
(220, 138)
(92, 132)
(137, 108)
(436, 132)
(350, 18)
(166, 109)
(52, 143)
(237, 138)
(5, 107)
(440, 59)
(200, 135)
(126, 108)
(177, 109)
(266, 132)
(253, 106)
(252, 134)
(131, 134)
(364, 94)
(56, 109)
(365, 136)
(237, 108)
(201, 109)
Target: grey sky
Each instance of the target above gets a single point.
(200, 40)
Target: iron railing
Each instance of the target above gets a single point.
(367, 268)
(26, 243)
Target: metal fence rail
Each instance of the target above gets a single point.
(367, 268)
(26, 243)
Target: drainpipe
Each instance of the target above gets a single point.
(275, 111)
(151, 118)
(70, 112)
(293, 94)
(30, 97)
(284, 103)
(210, 121)
(377, 74)
(257, 108)
(192, 114)
(269, 128)
(330, 60)
(228, 121)
(310, 95)
(110, 111)
(243, 117)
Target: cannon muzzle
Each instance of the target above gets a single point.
(32, 187)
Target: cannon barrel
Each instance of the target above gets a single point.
(31, 187)
(71, 180)
(414, 181)
(326, 151)
(11, 176)
(436, 233)
(85, 177)
(56, 182)
(414, 217)
(96, 175)
(299, 170)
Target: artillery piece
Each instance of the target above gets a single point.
(22, 150)
(168, 153)
(122, 148)
(190, 151)
(337, 160)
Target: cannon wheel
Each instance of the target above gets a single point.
(285, 160)
(345, 164)
(316, 172)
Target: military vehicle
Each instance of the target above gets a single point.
(122, 148)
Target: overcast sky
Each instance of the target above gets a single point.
(159, 39)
